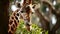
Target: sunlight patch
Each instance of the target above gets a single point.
(14, 8)
(47, 9)
(53, 19)
(54, 2)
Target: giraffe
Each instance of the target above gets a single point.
(20, 13)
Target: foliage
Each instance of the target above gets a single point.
(34, 29)
(43, 8)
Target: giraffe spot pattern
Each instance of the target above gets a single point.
(12, 17)
(11, 22)
(18, 21)
(13, 25)
(10, 32)
(14, 14)
(16, 17)
(15, 22)
(12, 29)
(17, 14)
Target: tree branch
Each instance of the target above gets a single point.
(49, 4)
(44, 20)
(54, 11)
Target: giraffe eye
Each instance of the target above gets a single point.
(22, 11)
(33, 7)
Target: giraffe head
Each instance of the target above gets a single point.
(26, 9)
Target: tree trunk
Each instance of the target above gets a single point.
(4, 4)
(51, 32)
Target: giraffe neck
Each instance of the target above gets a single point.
(13, 22)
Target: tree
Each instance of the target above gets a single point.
(45, 21)
(4, 4)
